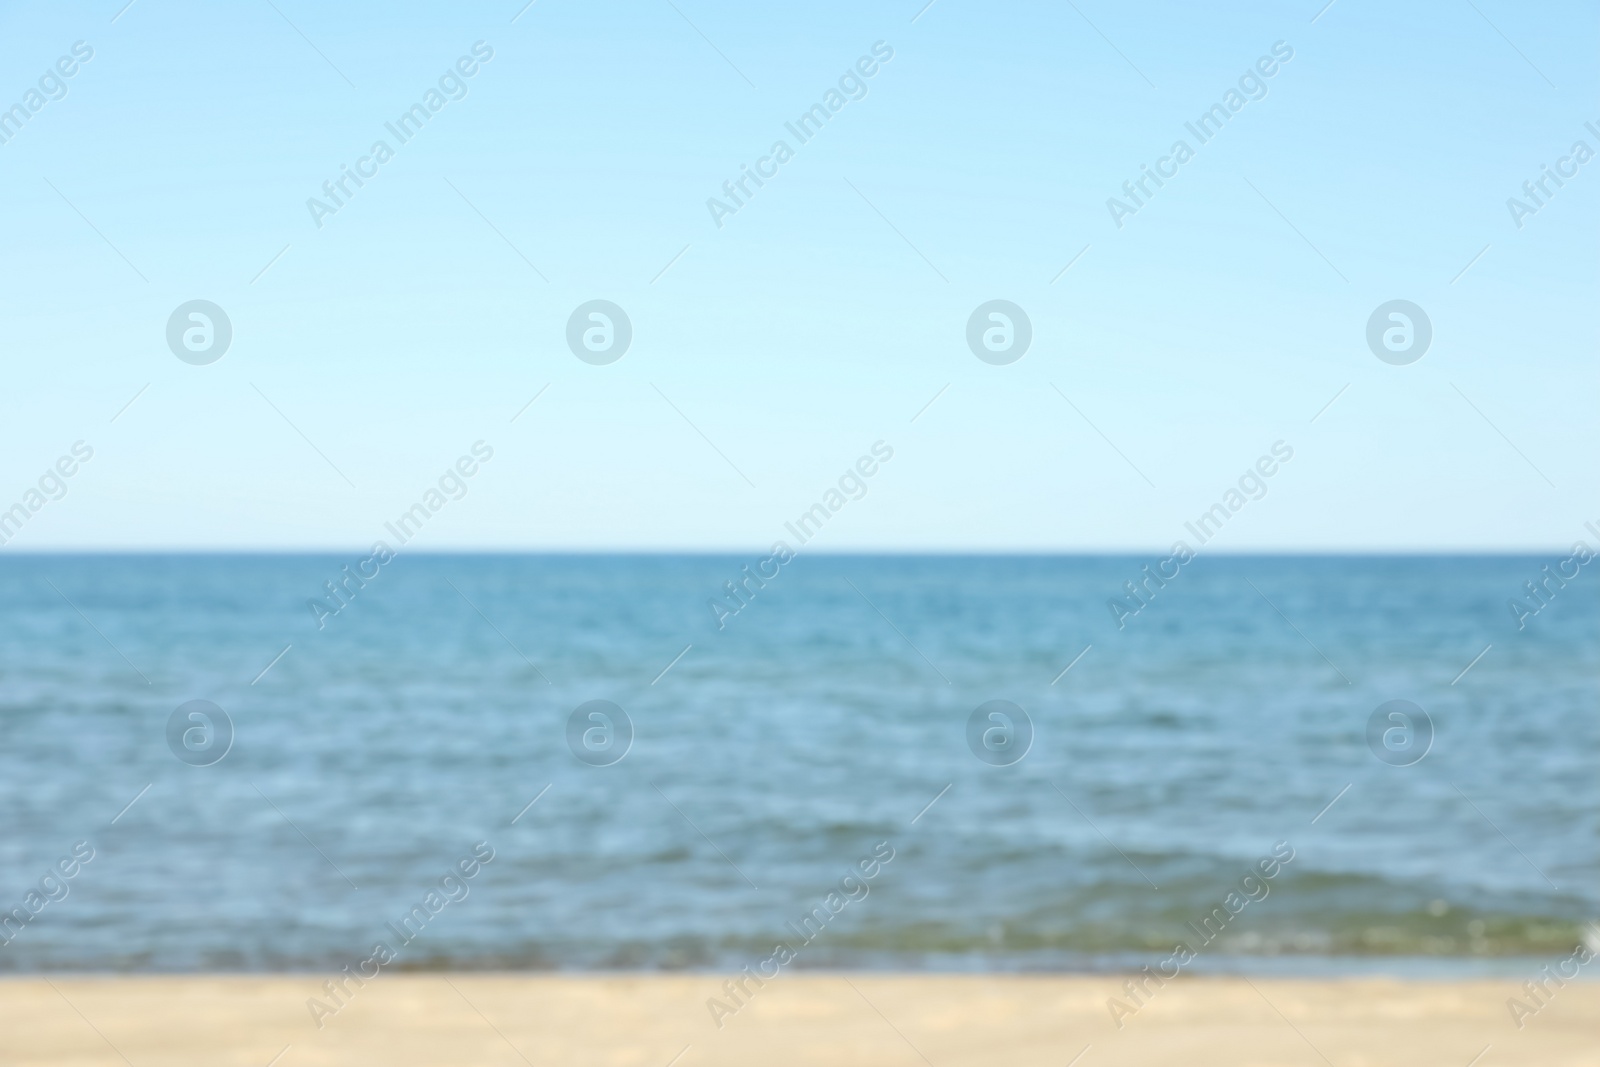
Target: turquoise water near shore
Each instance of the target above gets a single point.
(768, 756)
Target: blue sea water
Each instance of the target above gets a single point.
(771, 755)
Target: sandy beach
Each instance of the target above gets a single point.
(498, 1020)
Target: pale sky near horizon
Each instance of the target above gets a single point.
(373, 345)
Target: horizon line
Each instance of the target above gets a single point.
(975, 551)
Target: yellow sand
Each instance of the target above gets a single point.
(945, 1021)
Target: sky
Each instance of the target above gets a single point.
(1177, 337)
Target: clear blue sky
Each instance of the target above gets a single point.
(826, 312)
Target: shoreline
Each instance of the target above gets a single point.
(1107, 966)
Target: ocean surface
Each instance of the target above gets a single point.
(373, 748)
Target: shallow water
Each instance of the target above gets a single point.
(777, 752)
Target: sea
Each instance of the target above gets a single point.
(677, 762)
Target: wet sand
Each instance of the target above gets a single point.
(836, 1019)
